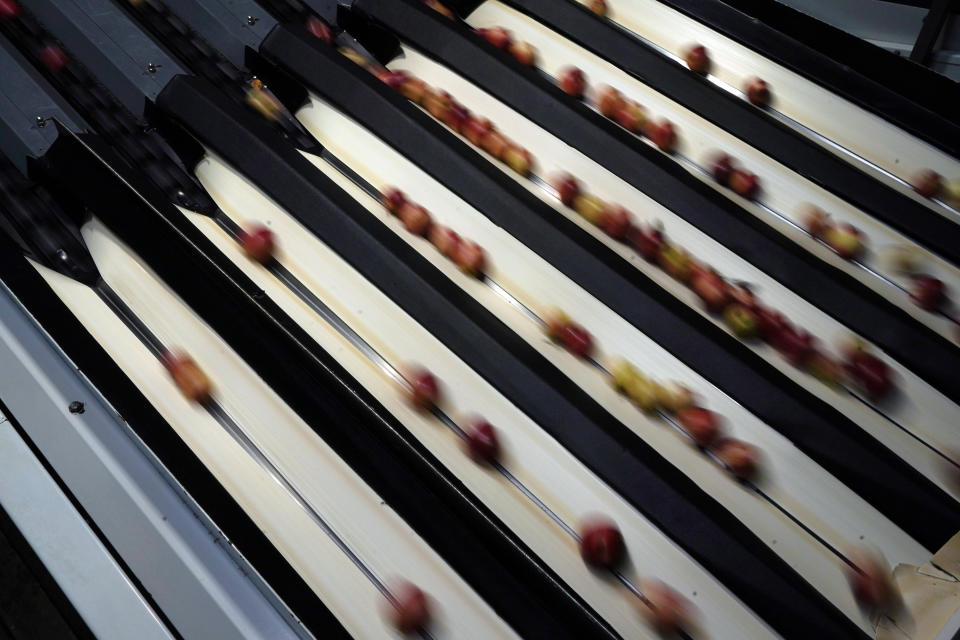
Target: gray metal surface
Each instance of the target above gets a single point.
(228, 25)
(26, 96)
(192, 572)
(115, 50)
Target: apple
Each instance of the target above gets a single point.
(599, 7)
(643, 392)
(258, 243)
(495, 144)
(664, 609)
(615, 221)
(415, 218)
(741, 320)
(518, 159)
(555, 321)
(393, 199)
(824, 368)
(701, 424)
(815, 220)
(410, 610)
(53, 57)
(758, 92)
(320, 29)
(572, 81)
(902, 258)
(607, 100)
(567, 188)
(497, 36)
(794, 344)
(469, 256)
(870, 373)
(712, 290)
(845, 239)
(740, 458)
(601, 544)
(9, 10)
(577, 340)
(393, 79)
(770, 323)
(927, 292)
(742, 294)
(481, 441)
(440, 8)
(413, 89)
(676, 262)
(631, 116)
(457, 115)
(952, 192)
(424, 390)
(437, 103)
(622, 373)
(673, 396)
(871, 581)
(648, 242)
(524, 53)
(662, 133)
(590, 207)
(721, 168)
(444, 239)
(192, 382)
(476, 129)
(927, 183)
(697, 59)
(745, 184)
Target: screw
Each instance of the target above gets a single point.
(252, 20)
(41, 121)
(76, 407)
(152, 68)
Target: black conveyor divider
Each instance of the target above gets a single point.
(840, 446)
(681, 509)
(348, 418)
(750, 124)
(929, 355)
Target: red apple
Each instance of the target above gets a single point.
(393, 79)
(413, 89)
(410, 610)
(482, 442)
(444, 239)
(745, 184)
(721, 168)
(648, 242)
(870, 373)
(53, 57)
(415, 218)
(577, 340)
(701, 424)
(740, 458)
(9, 10)
(712, 289)
(927, 183)
(469, 256)
(424, 390)
(794, 344)
(495, 144)
(524, 53)
(476, 129)
(845, 239)
(758, 92)
(518, 159)
(815, 220)
(437, 103)
(927, 292)
(607, 100)
(497, 36)
(770, 323)
(567, 188)
(742, 294)
(662, 134)
(599, 7)
(601, 544)
(319, 28)
(664, 608)
(393, 199)
(697, 59)
(631, 116)
(871, 581)
(258, 243)
(615, 221)
(572, 81)
(192, 382)
(457, 116)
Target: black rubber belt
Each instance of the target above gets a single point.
(931, 356)
(340, 410)
(832, 440)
